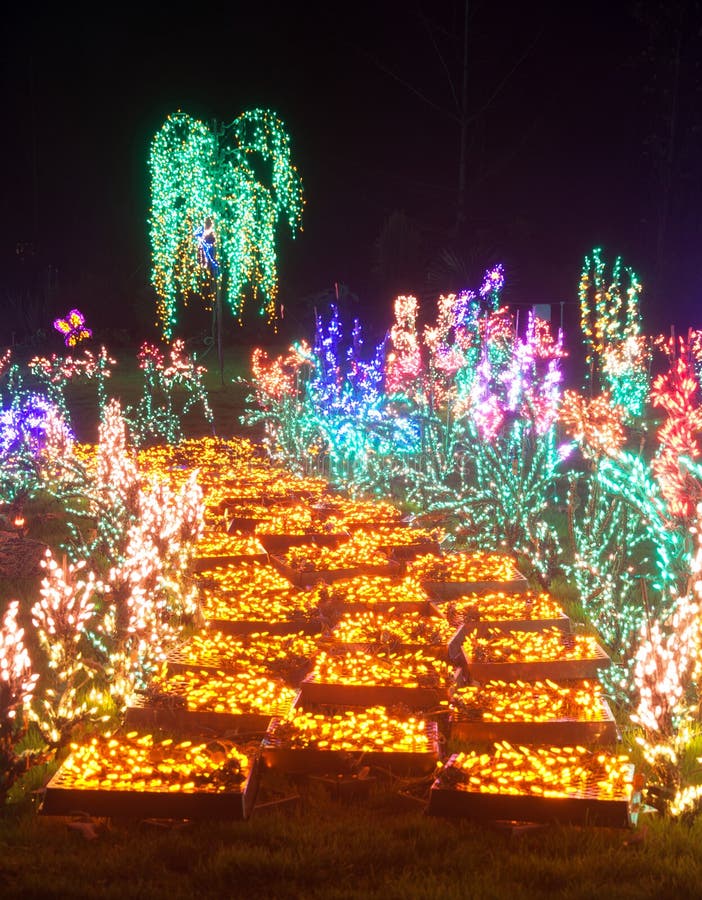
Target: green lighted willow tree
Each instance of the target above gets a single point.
(217, 195)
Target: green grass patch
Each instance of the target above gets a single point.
(328, 850)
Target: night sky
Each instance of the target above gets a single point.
(584, 129)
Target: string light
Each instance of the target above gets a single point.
(391, 630)
(528, 702)
(61, 618)
(284, 655)
(496, 606)
(405, 670)
(231, 693)
(465, 568)
(142, 763)
(353, 731)
(540, 772)
(17, 685)
(548, 645)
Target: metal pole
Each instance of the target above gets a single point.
(218, 307)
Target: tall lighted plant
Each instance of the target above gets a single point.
(313, 400)
(631, 515)
(217, 196)
(666, 679)
(617, 353)
(17, 685)
(490, 458)
(68, 691)
(171, 389)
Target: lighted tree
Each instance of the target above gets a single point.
(666, 678)
(217, 195)
(617, 354)
(33, 436)
(66, 694)
(57, 372)
(631, 517)
(147, 598)
(490, 458)
(403, 367)
(170, 391)
(621, 531)
(321, 406)
(676, 392)
(17, 685)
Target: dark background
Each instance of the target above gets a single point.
(583, 129)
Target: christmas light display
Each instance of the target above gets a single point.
(381, 592)
(465, 568)
(353, 513)
(33, 425)
(55, 373)
(404, 670)
(110, 492)
(514, 611)
(144, 763)
(492, 285)
(596, 424)
(397, 540)
(283, 655)
(519, 701)
(539, 712)
(217, 544)
(148, 600)
(213, 219)
(245, 581)
(459, 422)
(170, 390)
(526, 646)
(512, 783)
(630, 517)
(448, 439)
(61, 618)
(157, 415)
(316, 429)
(352, 731)
(73, 328)
(17, 684)
(247, 598)
(391, 630)
(404, 366)
(359, 550)
(295, 520)
(676, 392)
(278, 379)
(223, 693)
(666, 677)
(133, 612)
(140, 776)
(35, 447)
(618, 357)
(502, 446)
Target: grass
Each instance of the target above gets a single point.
(323, 849)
